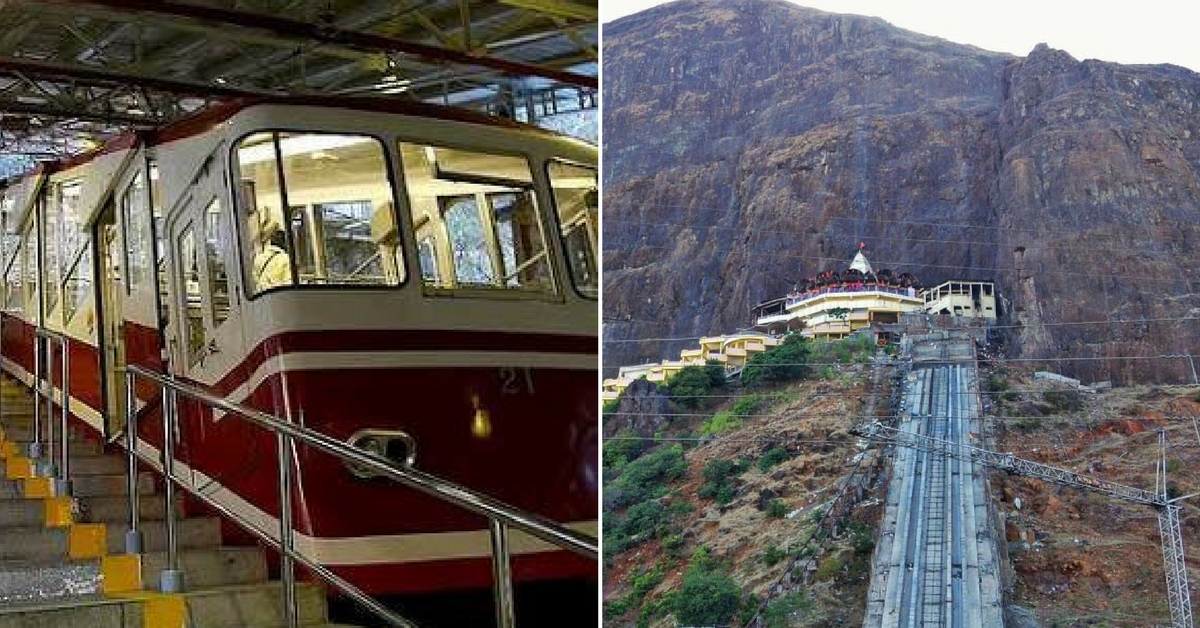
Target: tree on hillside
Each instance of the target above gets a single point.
(708, 597)
(785, 362)
(690, 386)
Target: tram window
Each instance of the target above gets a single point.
(340, 225)
(340, 185)
(576, 199)
(478, 214)
(78, 285)
(302, 242)
(217, 241)
(160, 249)
(50, 274)
(13, 282)
(30, 265)
(64, 236)
(260, 198)
(189, 267)
(72, 234)
(427, 250)
(139, 245)
(8, 226)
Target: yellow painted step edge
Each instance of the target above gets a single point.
(87, 540)
(19, 468)
(159, 610)
(38, 488)
(121, 575)
(58, 512)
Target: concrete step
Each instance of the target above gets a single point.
(87, 463)
(115, 509)
(92, 612)
(91, 464)
(206, 569)
(18, 513)
(78, 447)
(41, 545)
(253, 606)
(194, 533)
(109, 485)
(34, 544)
(32, 581)
(25, 432)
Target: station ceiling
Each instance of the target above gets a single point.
(73, 72)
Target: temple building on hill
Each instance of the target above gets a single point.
(830, 306)
(835, 304)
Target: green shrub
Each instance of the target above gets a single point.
(690, 386)
(643, 583)
(773, 555)
(861, 539)
(780, 610)
(773, 457)
(611, 406)
(828, 569)
(749, 608)
(673, 545)
(746, 405)
(642, 519)
(716, 373)
(1028, 423)
(624, 449)
(721, 422)
(708, 597)
(1174, 464)
(856, 349)
(717, 482)
(644, 478)
(786, 361)
(1064, 400)
(776, 509)
(679, 506)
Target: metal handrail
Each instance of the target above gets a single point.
(500, 514)
(61, 473)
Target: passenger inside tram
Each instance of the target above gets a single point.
(339, 227)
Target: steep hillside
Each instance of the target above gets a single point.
(1081, 558)
(723, 502)
(751, 143)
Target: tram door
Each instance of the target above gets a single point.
(207, 341)
(127, 288)
(110, 291)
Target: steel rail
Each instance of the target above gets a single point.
(501, 516)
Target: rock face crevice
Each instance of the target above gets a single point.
(750, 143)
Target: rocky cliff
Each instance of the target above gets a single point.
(751, 143)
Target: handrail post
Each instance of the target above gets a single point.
(287, 565)
(133, 536)
(62, 487)
(171, 579)
(35, 446)
(45, 465)
(502, 575)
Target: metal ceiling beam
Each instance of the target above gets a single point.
(557, 8)
(42, 111)
(299, 30)
(42, 69)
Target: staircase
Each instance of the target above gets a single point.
(62, 560)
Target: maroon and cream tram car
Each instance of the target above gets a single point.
(416, 280)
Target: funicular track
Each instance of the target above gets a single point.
(935, 564)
